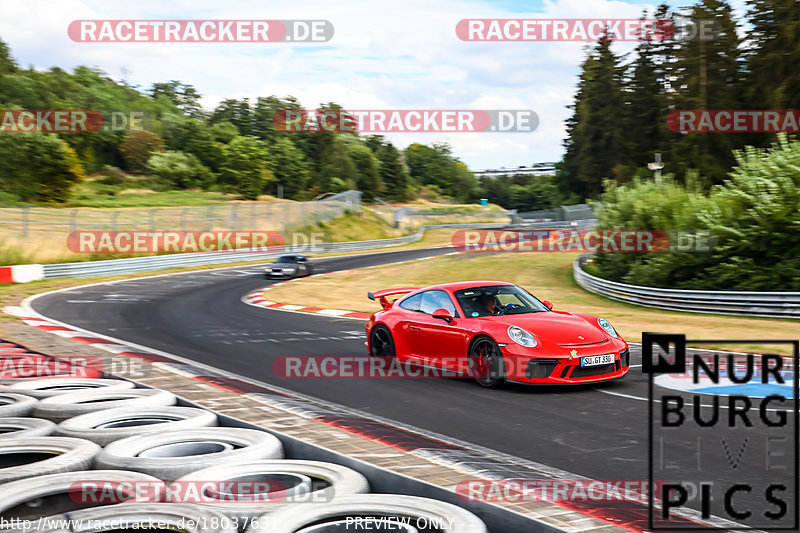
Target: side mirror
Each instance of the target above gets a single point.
(548, 304)
(444, 314)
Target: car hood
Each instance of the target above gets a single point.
(281, 265)
(559, 327)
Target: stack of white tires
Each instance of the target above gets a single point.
(92, 455)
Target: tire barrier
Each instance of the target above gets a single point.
(293, 481)
(375, 512)
(36, 456)
(18, 427)
(172, 468)
(104, 427)
(63, 406)
(35, 497)
(44, 388)
(16, 404)
(183, 518)
(172, 455)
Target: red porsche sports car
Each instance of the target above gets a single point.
(496, 332)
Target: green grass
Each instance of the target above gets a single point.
(137, 194)
(547, 275)
(354, 227)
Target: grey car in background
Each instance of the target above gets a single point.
(289, 266)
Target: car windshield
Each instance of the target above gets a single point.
(286, 259)
(498, 300)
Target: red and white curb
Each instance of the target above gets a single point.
(21, 273)
(256, 298)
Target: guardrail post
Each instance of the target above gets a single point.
(114, 217)
(183, 219)
(210, 216)
(153, 219)
(26, 210)
(73, 225)
(235, 216)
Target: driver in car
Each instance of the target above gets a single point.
(490, 303)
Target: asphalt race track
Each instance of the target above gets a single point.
(599, 432)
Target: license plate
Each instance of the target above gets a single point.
(595, 360)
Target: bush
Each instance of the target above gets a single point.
(754, 217)
(137, 148)
(37, 167)
(179, 170)
(113, 176)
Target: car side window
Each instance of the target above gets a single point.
(411, 303)
(433, 300)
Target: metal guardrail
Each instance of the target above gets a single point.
(24, 220)
(132, 265)
(565, 212)
(748, 303)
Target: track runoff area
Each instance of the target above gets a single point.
(713, 433)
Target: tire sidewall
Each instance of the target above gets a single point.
(497, 372)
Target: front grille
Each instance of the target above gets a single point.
(573, 344)
(540, 368)
(624, 357)
(582, 372)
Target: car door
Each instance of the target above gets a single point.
(302, 266)
(405, 328)
(438, 342)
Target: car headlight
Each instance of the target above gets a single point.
(607, 327)
(288, 270)
(521, 337)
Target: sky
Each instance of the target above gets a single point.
(383, 55)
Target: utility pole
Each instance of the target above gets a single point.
(656, 166)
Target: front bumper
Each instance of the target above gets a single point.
(272, 274)
(522, 368)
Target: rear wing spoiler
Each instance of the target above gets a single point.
(381, 295)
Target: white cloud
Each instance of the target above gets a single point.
(401, 56)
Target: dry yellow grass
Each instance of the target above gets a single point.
(547, 275)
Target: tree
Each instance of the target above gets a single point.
(201, 142)
(645, 105)
(594, 146)
(773, 51)
(7, 63)
(37, 167)
(436, 166)
(289, 167)
(707, 76)
(244, 167)
(335, 164)
(394, 174)
(237, 112)
(137, 148)
(184, 96)
(368, 178)
(224, 132)
(179, 170)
